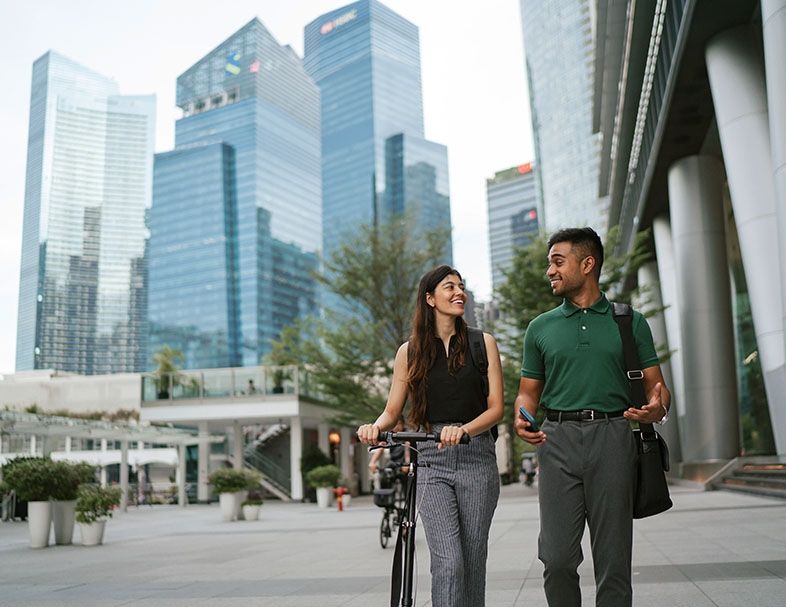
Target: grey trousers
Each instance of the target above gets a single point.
(457, 494)
(586, 472)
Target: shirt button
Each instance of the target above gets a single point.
(584, 328)
(585, 311)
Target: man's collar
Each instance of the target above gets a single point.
(601, 306)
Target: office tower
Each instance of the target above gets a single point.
(88, 183)
(559, 52)
(247, 155)
(366, 60)
(513, 216)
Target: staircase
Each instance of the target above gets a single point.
(764, 476)
(275, 479)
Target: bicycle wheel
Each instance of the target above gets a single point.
(384, 530)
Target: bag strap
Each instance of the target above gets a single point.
(477, 349)
(623, 315)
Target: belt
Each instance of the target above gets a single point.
(585, 415)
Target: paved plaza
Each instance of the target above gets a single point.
(713, 549)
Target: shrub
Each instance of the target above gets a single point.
(33, 478)
(252, 502)
(68, 477)
(94, 503)
(324, 476)
(229, 480)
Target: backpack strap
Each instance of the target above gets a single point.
(477, 349)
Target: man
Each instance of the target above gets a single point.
(574, 368)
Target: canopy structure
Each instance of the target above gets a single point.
(32, 424)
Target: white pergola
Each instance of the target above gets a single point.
(31, 424)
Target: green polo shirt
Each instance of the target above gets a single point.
(578, 354)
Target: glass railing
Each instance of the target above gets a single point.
(232, 383)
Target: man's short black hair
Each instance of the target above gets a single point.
(585, 240)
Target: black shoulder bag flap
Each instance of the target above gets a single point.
(652, 491)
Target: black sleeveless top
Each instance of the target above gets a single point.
(454, 397)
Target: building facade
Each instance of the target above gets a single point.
(559, 56)
(365, 59)
(691, 95)
(89, 172)
(512, 216)
(251, 95)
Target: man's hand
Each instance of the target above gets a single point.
(521, 426)
(652, 412)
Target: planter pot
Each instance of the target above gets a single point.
(241, 497)
(63, 519)
(251, 513)
(92, 533)
(346, 499)
(323, 496)
(39, 522)
(229, 506)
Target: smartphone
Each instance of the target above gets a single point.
(533, 425)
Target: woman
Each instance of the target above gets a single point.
(460, 487)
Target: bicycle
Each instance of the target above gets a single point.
(390, 496)
(404, 564)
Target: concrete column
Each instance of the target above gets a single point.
(664, 250)
(295, 453)
(32, 444)
(124, 475)
(773, 16)
(237, 446)
(68, 444)
(696, 204)
(323, 440)
(181, 475)
(203, 494)
(346, 459)
(103, 468)
(736, 69)
(649, 280)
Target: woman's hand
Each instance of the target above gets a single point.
(368, 434)
(450, 436)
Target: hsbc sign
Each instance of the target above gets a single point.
(329, 26)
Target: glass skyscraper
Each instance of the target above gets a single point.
(237, 211)
(513, 216)
(366, 60)
(89, 171)
(559, 51)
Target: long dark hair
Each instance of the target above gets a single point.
(422, 347)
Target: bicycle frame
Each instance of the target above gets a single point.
(407, 524)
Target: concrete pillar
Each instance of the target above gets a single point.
(181, 475)
(68, 444)
(736, 69)
(103, 468)
(773, 17)
(237, 446)
(203, 494)
(32, 444)
(323, 437)
(696, 204)
(346, 459)
(295, 453)
(124, 475)
(649, 280)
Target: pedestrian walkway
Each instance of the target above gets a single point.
(713, 549)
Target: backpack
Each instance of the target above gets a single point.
(477, 349)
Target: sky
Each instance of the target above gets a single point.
(474, 93)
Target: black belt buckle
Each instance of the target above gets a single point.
(588, 415)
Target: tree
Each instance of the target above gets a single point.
(167, 359)
(349, 353)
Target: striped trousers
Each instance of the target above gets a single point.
(457, 495)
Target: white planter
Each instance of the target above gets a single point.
(346, 499)
(241, 497)
(39, 523)
(92, 533)
(229, 506)
(251, 513)
(63, 519)
(323, 496)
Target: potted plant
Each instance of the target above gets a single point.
(68, 477)
(33, 479)
(311, 458)
(251, 506)
(323, 479)
(232, 486)
(94, 505)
